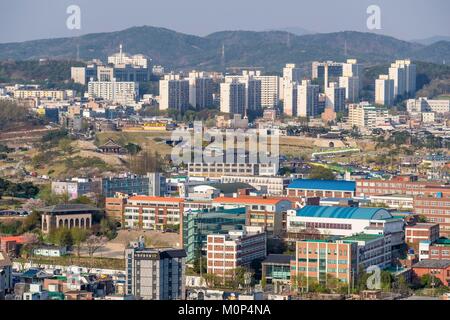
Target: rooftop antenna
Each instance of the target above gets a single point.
(78, 51)
(223, 56)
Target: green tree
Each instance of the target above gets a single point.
(321, 173)
(65, 145)
(133, 148)
(61, 237)
(200, 264)
(79, 235)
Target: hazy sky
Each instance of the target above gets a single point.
(405, 19)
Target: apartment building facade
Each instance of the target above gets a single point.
(115, 91)
(173, 93)
(318, 261)
(436, 210)
(155, 274)
(321, 188)
(414, 234)
(153, 213)
(399, 185)
(236, 249)
(274, 185)
(219, 169)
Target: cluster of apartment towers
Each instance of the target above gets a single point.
(333, 84)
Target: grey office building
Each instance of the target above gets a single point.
(156, 274)
(152, 184)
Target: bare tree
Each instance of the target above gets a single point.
(94, 243)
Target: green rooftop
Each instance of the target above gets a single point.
(443, 242)
(362, 237)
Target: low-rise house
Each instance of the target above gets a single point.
(440, 269)
(6, 283)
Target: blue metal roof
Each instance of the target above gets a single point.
(344, 213)
(314, 184)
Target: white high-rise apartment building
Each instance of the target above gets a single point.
(290, 98)
(173, 93)
(403, 72)
(120, 59)
(200, 90)
(352, 69)
(78, 75)
(351, 86)
(270, 86)
(233, 97)
(252, 89)
(384, 90)
(114, 91)
(307, 99)
(351, 80)
(291, 73)
(335, 97)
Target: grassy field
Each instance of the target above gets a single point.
(153, 141)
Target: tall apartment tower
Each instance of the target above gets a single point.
(252, 90)
(404, 73)
(290, 98)
(155, 274)
(384, 90)
(351, 80)
(270, 87)
(335, 97)
(174, 93)
(200, 90)
(233, 97)
(291, 73)
(307, 99)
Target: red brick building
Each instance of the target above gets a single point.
(440, 250)
(435, 210)
(421, 232)
(437, 268)
(114, 208)
(404, 185)
(226, 252)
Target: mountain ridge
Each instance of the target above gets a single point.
(268, 49)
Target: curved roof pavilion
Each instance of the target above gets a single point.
(344, 213)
